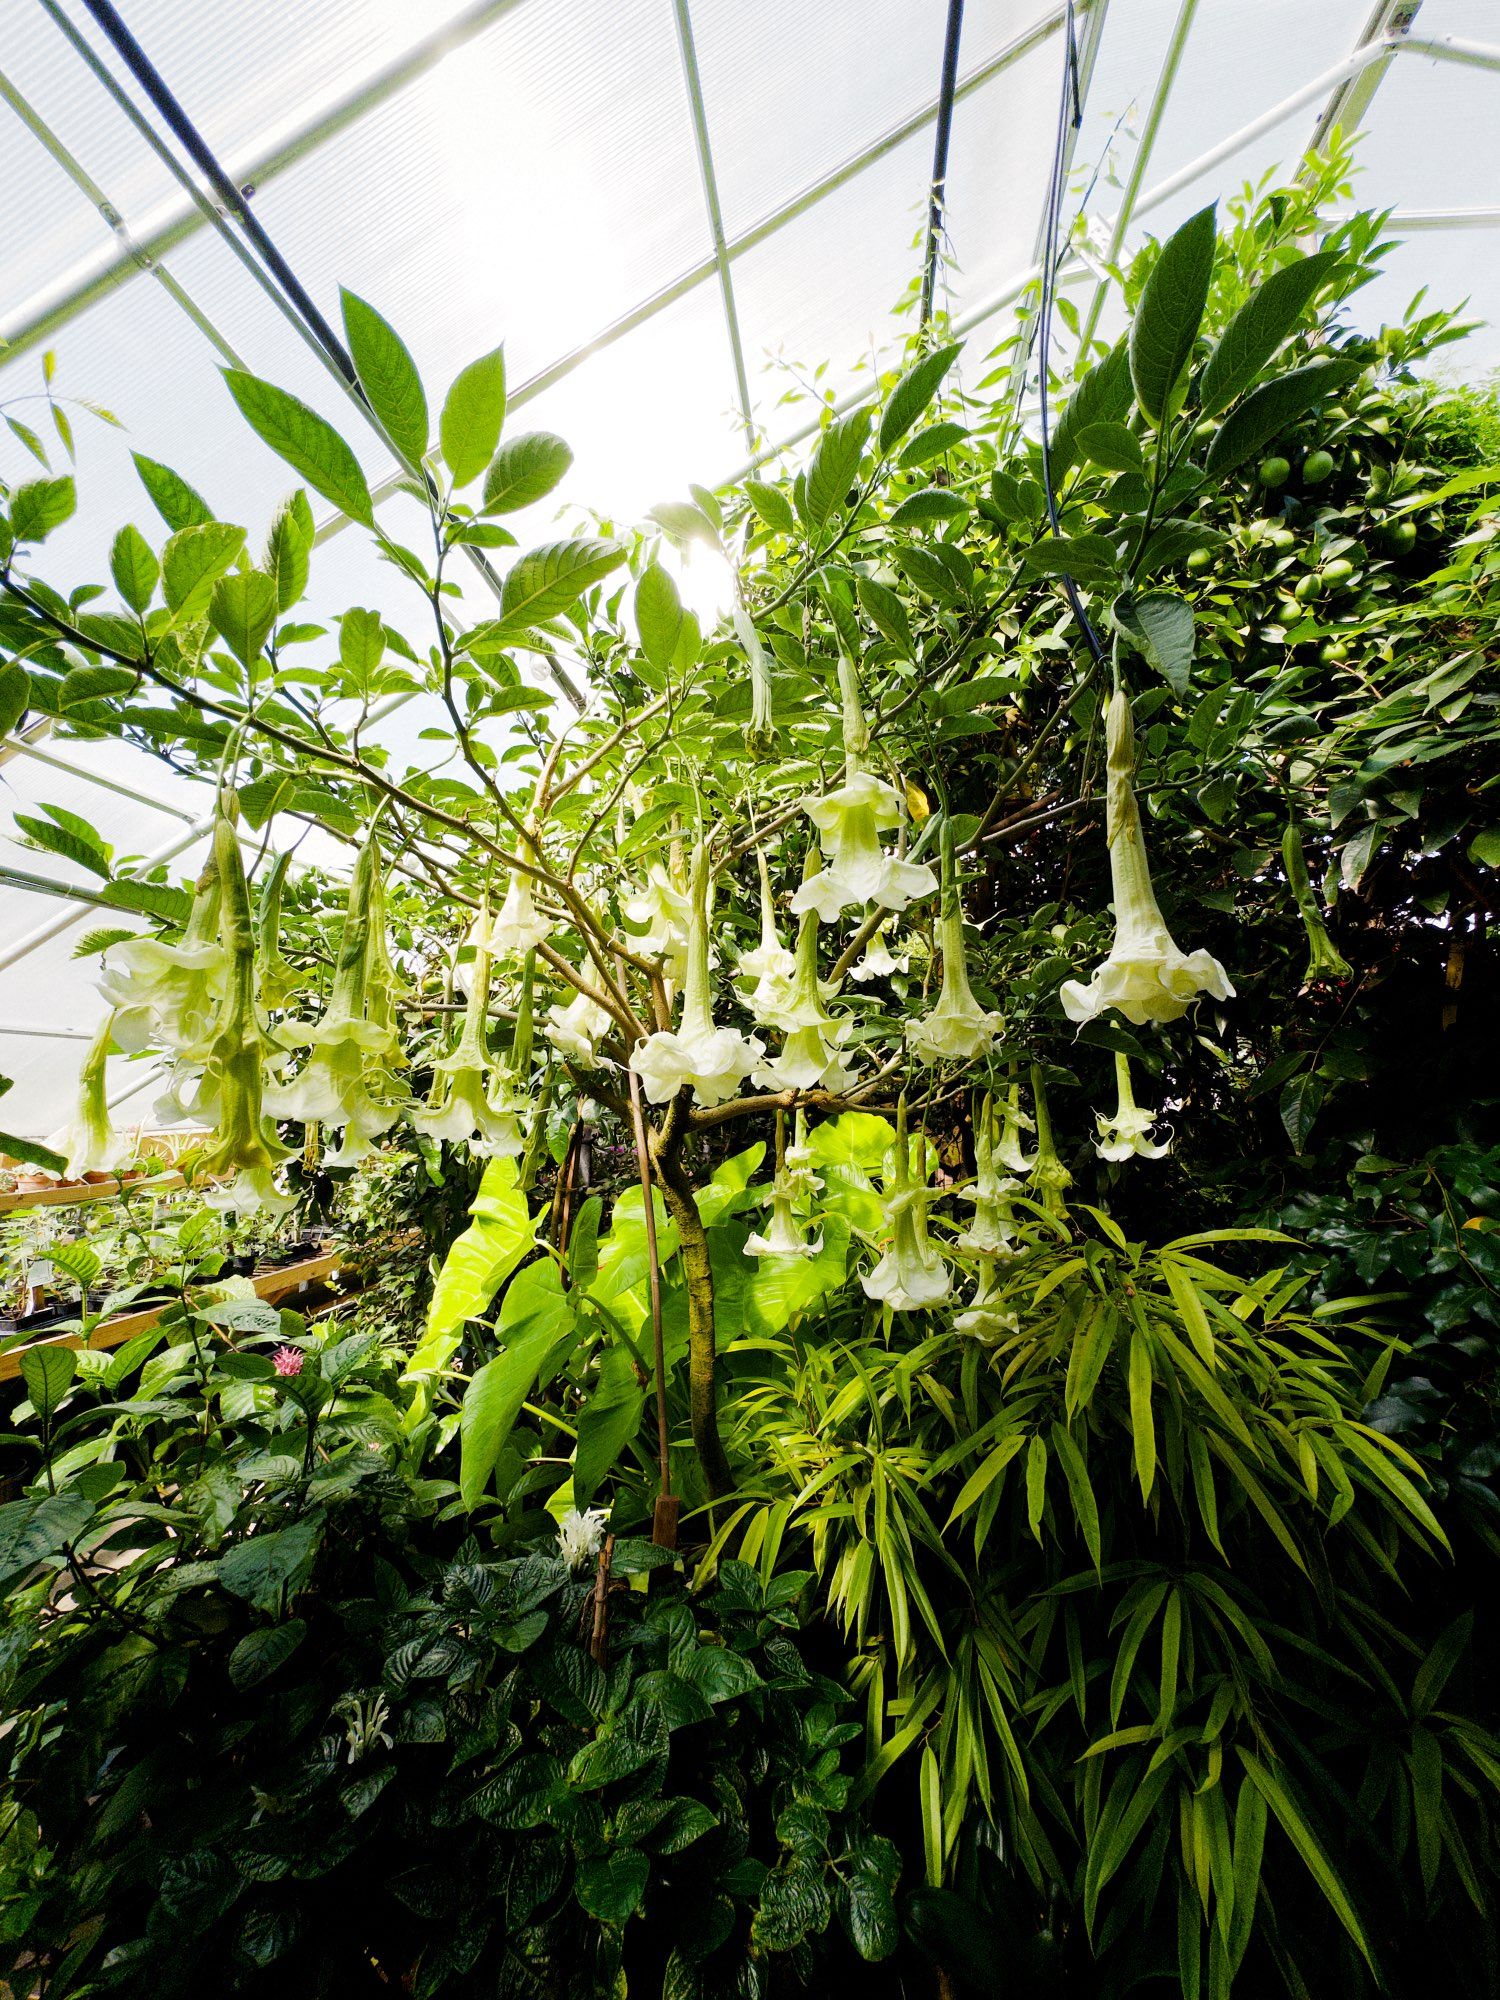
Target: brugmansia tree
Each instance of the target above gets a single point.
(1083, 1463)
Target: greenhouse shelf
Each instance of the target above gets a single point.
(270, 1285)
(75, 1197)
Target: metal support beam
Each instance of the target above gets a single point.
(687, 49)
(55, 926)
(1145, 146)
(20, 746)
(44, 315)
(1345, 110)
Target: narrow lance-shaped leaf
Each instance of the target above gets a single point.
(914, 392)
(308, 443)
(1259, 327)
(1269, 409)
(834, 465)
(1170, 312)
(388, 376)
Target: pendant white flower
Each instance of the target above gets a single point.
(912, 1274)
(1050, 1179)
(810, 1056)
(89, 1142)
(1128, 1131)
(785, 1236)
(659, 916)
(519, 925)
(850, 822)
(992, 1232)
(769, 968)
(1146, 976)
(879, 962)
(1008, 1147)
(958, 1028)
(167, 994)
(574, 1030)
(712, 1061)
(986, 1317)
(460, 1109)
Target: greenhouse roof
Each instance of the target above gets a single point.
(672, 212)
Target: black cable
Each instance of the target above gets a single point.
(947, 90)
(1069, 116)
(197, 148)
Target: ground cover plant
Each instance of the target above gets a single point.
(958, 1099)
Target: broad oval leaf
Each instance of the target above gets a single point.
(931, 503)
(524, 470)
(40, 506)
(834, 465)
(1170, 311)
(658, 615)
(1103, 396)
(472, 416)
(192, 562)
(308, 443)
(1269, 409)
(243, 610)
(180, 505)
(1159, 626)
(134, 567)
(1259, 327)
(548, 581)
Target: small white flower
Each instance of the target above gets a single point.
(1146, 975)
(879, 962)
(1127, 1132)
(581, 1536)
(986, 1317)
(713, 1061)
(993, 1230)
(785, 1236)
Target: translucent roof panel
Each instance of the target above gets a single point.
(529, 171)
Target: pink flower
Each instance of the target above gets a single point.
(288, 1361)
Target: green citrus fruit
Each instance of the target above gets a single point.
(1316, 467)
(1309, 587)
(1274, 472)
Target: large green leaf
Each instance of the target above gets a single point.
(48, 1374)
(1268, 410)
(478, 1263)
(179, 504)
(524, 470)
(834, 465)
(914, 392)
(272, 1567)
(40, 506)
(15, 695)
(473, 413)
(1159, 626)
(658, 615)
(545, 582)
(1258, 329)
(1170, 312)
(243, 610)
(537, 1316)
(388, 376)
(609, 1420)
(308, 443)
(134, 567)
(1102, 397)
(192, 562)
(1295, 1826)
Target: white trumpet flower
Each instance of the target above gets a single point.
(168, 994)
(912, 1274)
(768, 969)
(785, 1237)
(958, 1028)
(575, 1029)
(460, 1109)
(985, 1317)
(660, 917)
(1146, 976)
(1008, 1148)
(810, 1055)
(89, 1142)
(850, 822)
(993, 1230)
(879, 962)
(713, 1061)
(518, 926)
(1126, 1133)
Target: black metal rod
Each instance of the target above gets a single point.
(946, 92)
(149, 77)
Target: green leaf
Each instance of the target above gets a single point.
(15, 695)
(1114, 446)
(1432, 1675)
(1268, 410)
(31, 1531)
(627, 1744)
(192, 562)
(835, 464)
(685, 522)
(177, 502)
(308, 443)
(658, 616)
(1036, 1484)
(388, 376)
(134, 567)
(260, 1653)
(1076, 1472)
(1302, 1837)
(608, 1421)
(867, 1907)
(361, 650)
(473, 413)
(718, 1675)
(272, 1567)
(539, 1316)
(886, 613)
(48, 1374)
(931, 503)
(773, 506)
(1170, 312)
(610, 1887)
(914, 392)
(1160, 626)
(478, 1262)
(1103, 396)
(40, 506)
(524, 470)
(1258, 329)
(547, 581)
(1143, 1428)
(1301, 1101)
(242, 610)
(1085, 558)
(583, 1244)
(932, 443)
(84, 847)
(289, 549)
(150, 899)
